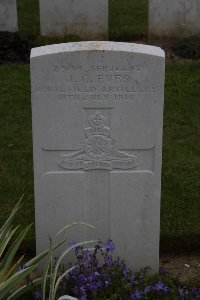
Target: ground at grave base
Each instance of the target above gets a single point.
(185, 267)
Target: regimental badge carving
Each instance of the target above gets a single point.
(99, 151)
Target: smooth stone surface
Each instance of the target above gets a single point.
(8, 15)
(85, 18)
(97, 136)
(174, 17)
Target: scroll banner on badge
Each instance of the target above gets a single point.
(100, 165)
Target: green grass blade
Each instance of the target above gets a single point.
(51, 273)
(39, 257)
(63, 255)
(13, 269)
(25, 288)
(45, 272)
(9, 284)
(5, 240)
(67, 298)
(59, 280)
(71, 225)
(7, 260)
(6, 225)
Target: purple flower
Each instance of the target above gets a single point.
(73, 244)
(83, 297)
(125, 271)
(86, 253)
(81, 279)
(99, 284)
(109, 246)
(108, 260)
(161, 287)
(162, 271)
(80, 292)
(132, 278)
(148, 289)
(91, 277)
(181, 293)
(196, 293)
(136, 295)
(107, 282)
(92, 286)
(38, 294)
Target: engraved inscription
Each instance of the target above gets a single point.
(98, 83)
(113, 68)
(99, 151)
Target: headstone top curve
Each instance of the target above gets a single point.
(97, 46)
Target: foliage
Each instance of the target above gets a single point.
(180, 205)
(188, 47)
(51, 275)
(98, 275)
(13, 274)
(10, 275)
(128, 20)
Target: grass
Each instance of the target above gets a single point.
(28, 17)
(16, 143)
(180, 213)
(127, 19)
(180, 210)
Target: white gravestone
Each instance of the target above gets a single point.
(174, 17)
(97, 136)
(8, 16)
(85, 18)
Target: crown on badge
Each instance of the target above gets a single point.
(97, 119)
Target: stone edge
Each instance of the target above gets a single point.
(97, 46)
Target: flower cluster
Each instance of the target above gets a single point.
(95, 272)
(100, 276)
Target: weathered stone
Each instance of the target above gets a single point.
(97, 137)
(8, 15)
(174, 18)
(85, 18)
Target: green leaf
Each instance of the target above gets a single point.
(39, 257)
(13, 269)
(71, 225)
(5, 239)
(7, 260)
(60, 278)
(9, 284)
(60, 259)
(45, 271)
(25, 288)
(9, 220)
(67, 298)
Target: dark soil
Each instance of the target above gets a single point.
(14, 48)
(184, 267)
